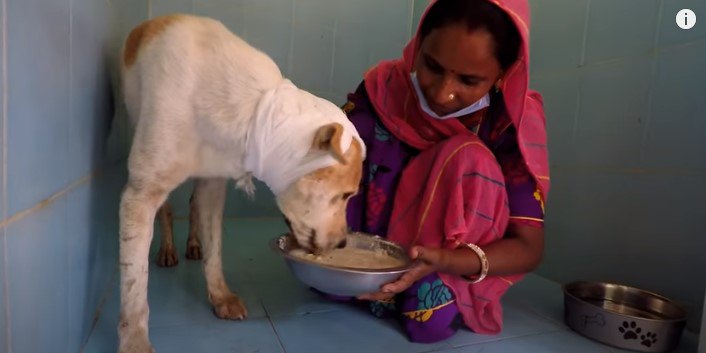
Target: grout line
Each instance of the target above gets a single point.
(618, 60)
(582, 62)
(99, 310)
(561, 325)
(333, 54)
(308, 312)
(410, 23)
(577, 112)
(71, 78)
(6, 289)
(67, 328)
(48, 201)
(608, 62)
(658, 30)
(631, 171)
(496, 340)
(650, 87)
(272, 325)
(290, 54)
(584, 40)
(6, 281)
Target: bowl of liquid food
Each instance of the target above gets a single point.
(365, 264)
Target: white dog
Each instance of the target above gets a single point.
(207, 105)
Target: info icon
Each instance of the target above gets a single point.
(686, 19)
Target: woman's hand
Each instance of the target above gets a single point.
(429, 260)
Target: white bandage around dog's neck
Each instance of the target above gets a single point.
(279, 142)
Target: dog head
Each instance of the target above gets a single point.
(314, 205)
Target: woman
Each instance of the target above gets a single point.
(457, 166)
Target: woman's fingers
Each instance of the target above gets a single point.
(428, 256)
(400, 285)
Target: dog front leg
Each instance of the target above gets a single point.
(138, 206)
(210, 197)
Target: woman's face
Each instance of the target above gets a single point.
(455, 68)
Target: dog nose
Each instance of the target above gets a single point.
(342, 244)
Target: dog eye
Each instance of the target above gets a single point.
(342, 197)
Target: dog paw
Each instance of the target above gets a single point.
(167, 257)
(134, 341)
(230, 307)
(193, 251)
(137, 349)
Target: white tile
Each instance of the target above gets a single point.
(613, 112)
(91, 92)
(270, 33)
(540, 296)
(37, 102)
(229, 12)
(345, 331)
(674, 140)
(352, 56)
(556, 35)
(38, 280)
(166, 7)
(255, 335)
(564, 341)
(518, 321)
(620, 29)
(312, 57)
(561, 98)
(4, 346)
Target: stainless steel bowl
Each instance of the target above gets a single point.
(622, 316)
(341, 280)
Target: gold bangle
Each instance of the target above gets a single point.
(484, 264)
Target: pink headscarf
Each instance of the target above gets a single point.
(392, 95)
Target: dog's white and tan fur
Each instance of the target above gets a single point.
(191, 88)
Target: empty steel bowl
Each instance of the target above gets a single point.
(341, 280)
(623, 317)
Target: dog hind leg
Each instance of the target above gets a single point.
(209, 196)
(138, 207)
(167, 256)
(193, 245)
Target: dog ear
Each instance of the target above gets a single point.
(328, 138)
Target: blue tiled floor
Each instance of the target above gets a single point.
(284, 316)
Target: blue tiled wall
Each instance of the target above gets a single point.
(60, 184)
(624, 93)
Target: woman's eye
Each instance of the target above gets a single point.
(468, 81)
(434, 67)
(346, 196)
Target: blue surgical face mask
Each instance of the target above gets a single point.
(480, 104)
